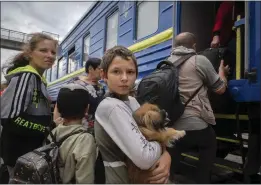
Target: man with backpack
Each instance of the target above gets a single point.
(196, 74)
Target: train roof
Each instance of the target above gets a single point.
(89, 10)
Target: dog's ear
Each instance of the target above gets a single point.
(158, 124)
(164, 114)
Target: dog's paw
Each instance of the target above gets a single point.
(176, 136)
(179, 134)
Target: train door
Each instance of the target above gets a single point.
(244, 86)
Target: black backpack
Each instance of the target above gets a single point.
(161, 88)
(214, 55)
(4, 175)
(40, 166)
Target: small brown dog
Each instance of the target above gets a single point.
(152, 123)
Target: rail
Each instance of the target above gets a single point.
(14, 35)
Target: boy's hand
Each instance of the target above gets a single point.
(160, 171)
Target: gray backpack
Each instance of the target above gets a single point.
(40, 166)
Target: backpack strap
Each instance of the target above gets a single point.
(177, 63)
(193, 95)
(49, 132)
(164, 62)
(183, 59)
(59, 143)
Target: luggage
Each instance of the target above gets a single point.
(40, 166)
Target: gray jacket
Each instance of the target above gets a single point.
(195, 72)
(77, 155)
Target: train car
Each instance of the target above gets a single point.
(148, 28)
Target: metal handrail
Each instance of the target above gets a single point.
(14, 35)
(20, 36)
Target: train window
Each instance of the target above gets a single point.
(112, 30)
(87, 41)
(61, 63)
(48, 75)
(72, 61)
(54, 71)
(147, 18)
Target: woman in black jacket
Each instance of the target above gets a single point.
(25, 109)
